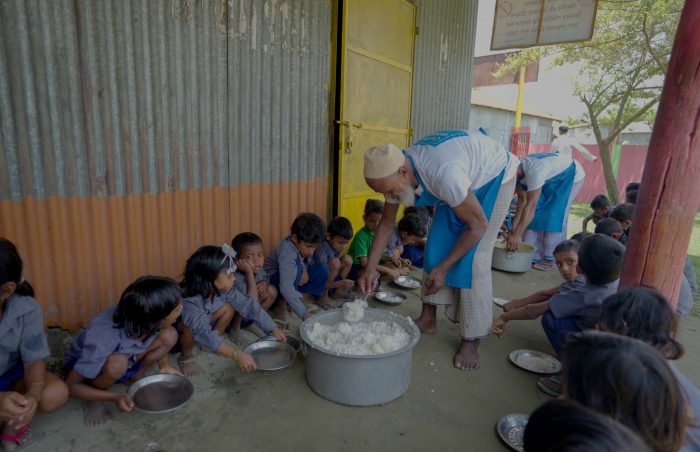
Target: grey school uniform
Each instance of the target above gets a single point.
(197, 312)
(583, 304)
(241, 283)
(101, 338)
(688, 289)
(692, 394)
(283, 264)
(325, 253)
(22, 336)
(577, 283)
(394, 242)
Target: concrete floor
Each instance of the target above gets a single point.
(444, 409)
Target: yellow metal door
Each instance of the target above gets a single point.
(378, 38)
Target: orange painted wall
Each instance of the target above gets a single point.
(80, 253)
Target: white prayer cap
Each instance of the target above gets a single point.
(382, 161)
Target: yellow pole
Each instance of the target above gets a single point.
(521, 88)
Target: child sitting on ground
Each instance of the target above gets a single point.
(362, 243)
(601, 209)
(210, 301)
(251, 278)
(577, 309)
(413, 231)
(331, 253)
(533, 306)
(646, 315)
(566, 426)
(623, 213)
(123, 342)
(292, 268)
(628, 380)
(610, 227)
(25, 385)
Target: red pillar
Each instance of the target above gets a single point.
(670, 191)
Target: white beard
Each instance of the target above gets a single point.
(407, 196)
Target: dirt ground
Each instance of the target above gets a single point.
(444, 409)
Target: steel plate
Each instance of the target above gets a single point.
(271, 355)
(161, 393)
(511, 429)
(534, 361)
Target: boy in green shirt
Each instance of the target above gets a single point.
(362, 242)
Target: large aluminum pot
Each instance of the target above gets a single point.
(518, 261)
(359, 380)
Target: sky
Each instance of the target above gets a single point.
(553, 92)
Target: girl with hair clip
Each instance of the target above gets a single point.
(210, 301)
(121, 343)
(25, 385)
(629, 381)
(646, 315)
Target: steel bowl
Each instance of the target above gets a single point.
(161, 393)
(271, 355)
(390, 298)
(511, 429)
(407, 282)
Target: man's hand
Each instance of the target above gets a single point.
(366, 281)
(435, 281)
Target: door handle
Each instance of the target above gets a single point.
(349, 128)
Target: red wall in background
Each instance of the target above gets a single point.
(632, 158)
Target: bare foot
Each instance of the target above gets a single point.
(189, 366)
(467, 357)
(96, 413)
(324, 303)
(426, 324)
(427, 321)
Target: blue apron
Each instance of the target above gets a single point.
(551, 206)
(446, 229)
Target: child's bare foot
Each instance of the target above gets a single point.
(467, 356)
(95, 413)
(189, 366)
(324, 303)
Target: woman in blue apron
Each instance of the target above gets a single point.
(468, 213)
(547, 185)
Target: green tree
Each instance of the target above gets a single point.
(620, 71)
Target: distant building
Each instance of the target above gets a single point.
(496, 115)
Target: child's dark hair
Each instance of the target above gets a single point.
(11, 268)
(374, 206)
(340, 226)
(413, 224)
(143, 305)
(623, 212)
(631, 196)
(643, 314)
(567, 426)
(600, 258)
(578, 237)
(244, 239)
(567, 245)
(201, 270)
(600, 202)
(628, 380)
(309, 228)
(632, 186)
(608, 226)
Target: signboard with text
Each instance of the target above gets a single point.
(529, 23)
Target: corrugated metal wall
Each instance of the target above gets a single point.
(132, 132)
(443, 65)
